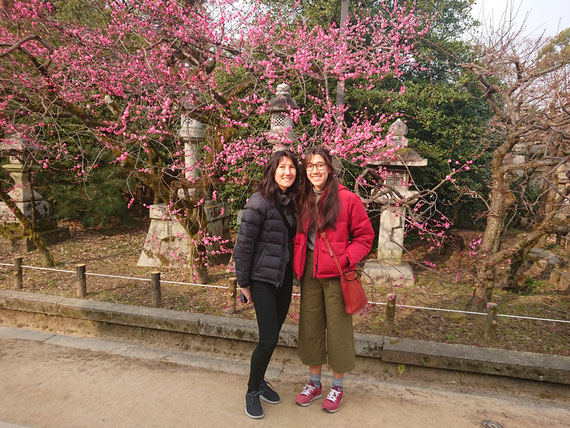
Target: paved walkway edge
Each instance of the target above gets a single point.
(16, 306)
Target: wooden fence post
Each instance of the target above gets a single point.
(390, 313)
(18, 281)
(155, 287)
(232, 295)
(491, 325)
(81, 281)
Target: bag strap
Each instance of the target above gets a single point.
(331, 252)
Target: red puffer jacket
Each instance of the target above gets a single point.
(352, 220)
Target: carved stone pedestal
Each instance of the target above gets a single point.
(384, 272)
(167, 243)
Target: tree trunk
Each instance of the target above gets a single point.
(516, 263)
(195, 225)
(491, 242)
(485, 285)
(494, 228)
(199, 268)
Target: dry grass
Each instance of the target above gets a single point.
(116, 252)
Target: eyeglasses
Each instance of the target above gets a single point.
(320, 166)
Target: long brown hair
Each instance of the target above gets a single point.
(329, 205)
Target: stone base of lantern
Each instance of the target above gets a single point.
(12, 234)
(167, 243)
(386, 273)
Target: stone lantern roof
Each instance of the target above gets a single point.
(399, 130)
(13, 145)
(282, 102)
(405, 156)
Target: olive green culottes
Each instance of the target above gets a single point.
(325, 329)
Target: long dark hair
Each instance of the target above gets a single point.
(268, 188)
(329, 205)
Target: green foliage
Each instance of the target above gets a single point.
(446, 120)
(443, 108)
(82, 11)
(95, 198)
(533, 286)
(401, 369)
(316, 11)
(557, 49)
(98, 201)
(452, 17)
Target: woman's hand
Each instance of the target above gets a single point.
(247, 293)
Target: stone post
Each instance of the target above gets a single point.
(155, 289)
(18, 276)
(390, 313)
(491, 323)
(81, 280)
(232, 294)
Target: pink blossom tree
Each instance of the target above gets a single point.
(119, 84)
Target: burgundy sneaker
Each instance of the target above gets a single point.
(309, 393)
(332, 403)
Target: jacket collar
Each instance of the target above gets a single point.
(283, 199)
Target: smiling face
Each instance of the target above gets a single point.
(285, 173)
(317, 171)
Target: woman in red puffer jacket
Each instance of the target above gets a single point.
(325, 329)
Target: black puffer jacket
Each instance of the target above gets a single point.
(265, 242)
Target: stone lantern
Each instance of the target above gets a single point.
(167, 242)
(30, 202)
(281, 123)
(388, 268)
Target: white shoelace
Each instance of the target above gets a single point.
(333, 395)
(307, 389)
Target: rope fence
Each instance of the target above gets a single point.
(156, 282)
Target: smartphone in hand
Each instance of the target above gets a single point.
(242, 298)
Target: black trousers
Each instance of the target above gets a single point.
(271, 306)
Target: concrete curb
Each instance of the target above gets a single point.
(14, 306)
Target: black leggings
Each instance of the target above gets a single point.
(271, 307)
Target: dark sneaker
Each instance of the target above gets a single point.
(253, 407)
(309, 393)
(268, 394)
(332, 403)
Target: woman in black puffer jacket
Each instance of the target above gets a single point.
(263, 260)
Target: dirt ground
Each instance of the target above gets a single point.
(115, 251)
(44, 385)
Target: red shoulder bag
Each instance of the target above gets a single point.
(354, 297)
